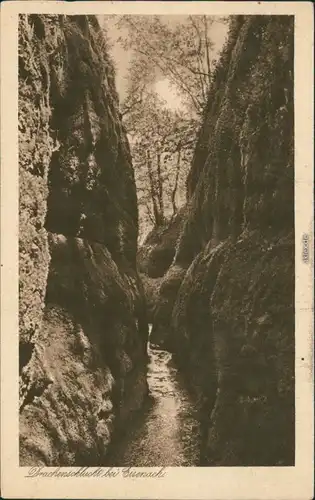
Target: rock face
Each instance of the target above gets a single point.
(83, 325)
(155, 256)
(229, 291)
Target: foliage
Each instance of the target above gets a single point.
(180, 51)
(161, 142)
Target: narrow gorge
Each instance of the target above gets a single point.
(178, 351)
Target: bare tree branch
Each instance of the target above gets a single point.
(169, 69)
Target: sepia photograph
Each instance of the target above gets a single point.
(157, 243)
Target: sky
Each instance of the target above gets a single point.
(122, 58)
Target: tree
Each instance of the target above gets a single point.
(162, 139)
(181, 52)
(161, 143)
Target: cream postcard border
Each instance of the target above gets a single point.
(179, 482)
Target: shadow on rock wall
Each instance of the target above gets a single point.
(83, 324)
(225, 306)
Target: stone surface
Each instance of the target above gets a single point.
(154, 257)
(83, 325)
(226, 303)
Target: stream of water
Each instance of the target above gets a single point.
(167, 432)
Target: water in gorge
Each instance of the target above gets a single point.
(167, 432)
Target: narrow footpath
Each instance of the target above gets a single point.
(167, 432)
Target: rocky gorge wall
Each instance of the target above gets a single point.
(154, 257)
(225, 305)
(83, 325)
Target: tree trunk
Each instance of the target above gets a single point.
(207, 50)
(160, 186)
(156, 210)
(173, 197)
